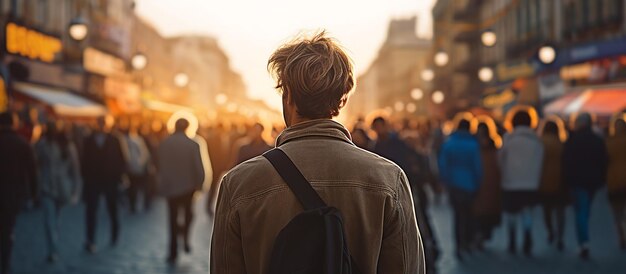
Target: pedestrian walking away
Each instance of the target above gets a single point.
(181, 174)
(103, 167)
(255, 145)
(552, 191)
(487, 206)
(17, 182)
(388, 144)
(315, 76)
(521, 160)
(584, 170)
(60, 181)
(460, 169)
(138, 159)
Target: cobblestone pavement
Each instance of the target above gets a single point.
(606, 257)
(143, 246)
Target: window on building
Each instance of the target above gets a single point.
(40, 10)
(18, 8)
(617, 10)
(586, 18)
(518, 21)
(570, 18)
(5, 6)
(600, 12)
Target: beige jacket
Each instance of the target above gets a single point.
(371, 192)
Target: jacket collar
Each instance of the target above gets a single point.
(524, 130)
(322, 128)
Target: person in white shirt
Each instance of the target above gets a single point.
(521, 159)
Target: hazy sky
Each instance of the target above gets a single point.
(250, 30)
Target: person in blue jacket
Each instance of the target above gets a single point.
(460, 170)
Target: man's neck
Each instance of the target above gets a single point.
(298, 120)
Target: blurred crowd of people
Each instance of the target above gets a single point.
(493, 172)
(497, 173)
(52, 163)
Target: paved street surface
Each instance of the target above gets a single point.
(143, 246)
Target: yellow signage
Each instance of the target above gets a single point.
(32, 44)
(4, 99)
(580, 71)
(506, 73)
(499, 100)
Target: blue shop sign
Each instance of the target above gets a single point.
(589, 51)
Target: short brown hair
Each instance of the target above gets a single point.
(316, 73)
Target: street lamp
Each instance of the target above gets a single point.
(441, 58)
(489, 38)
(438, 97)
(78, 29)
(417, 94)
(547, 55)
(139, 61)
(181, 80)
(399, 106)
(221, 99)
(428, 75)
(411, 107)
(485, 74)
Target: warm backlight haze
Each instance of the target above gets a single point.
(249, 31)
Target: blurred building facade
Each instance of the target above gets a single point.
(44, 67)
(588, 39)
(449, 17)
(394, 74)
(208, 68)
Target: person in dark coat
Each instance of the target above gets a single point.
(103, 167)
(584, 169)
(17, 182)
(389, 145)
(552, 191)
(487, 207)
(460, 169)
(254, 146)
(361, 139)
(181, 174)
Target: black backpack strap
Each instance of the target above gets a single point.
(299, 185)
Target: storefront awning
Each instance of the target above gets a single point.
(62, 102)
(602, 102)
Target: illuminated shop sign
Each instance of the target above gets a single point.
(31, 43)
(499, 99)
(102, 63)
(511, 72)
(4, 98)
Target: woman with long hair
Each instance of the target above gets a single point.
(487, 207)
(552, 191)
(59, 179)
